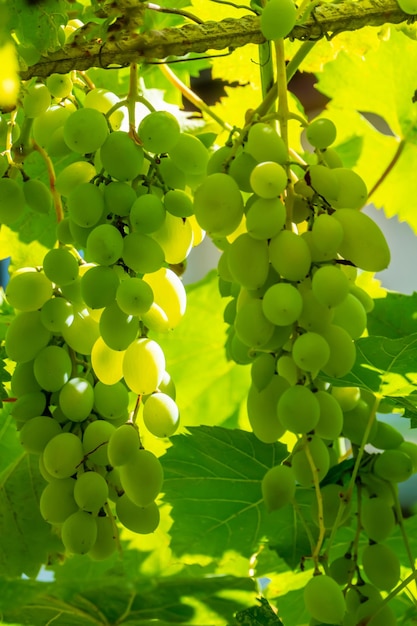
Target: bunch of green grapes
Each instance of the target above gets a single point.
(89, 383)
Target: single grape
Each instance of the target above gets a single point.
(247, 260)
(178, 203)
(142, 477)
(408, 6)
(330, 422)
(57, 501)
(143, 366)
(107, 363)
(262, 410)
(138, 519)
(59, 85)
(351, 316)
(90, 491)
(81, 334)
(352, 189)
(342, 351)
(189, 154)
(28, 405)
(118, 198)
(76, 399)
(107, 539)
(118, 329)
(36, 100)
(37, 195)
(327, 234)
(26, 336)
(251, 325)
(386, 436)
(123, 445)
(310, 352)
(134, 296)
(321, 133)
(265, 218)
(159, 131)
(288, 369)
(323, 180)
(142, 253)
(72, 175)
(60, 266)
(121, 157)
(12, 201)
(381, 565)
(147, 214)
(85, 205)
(330, 285)
(298, 410)
(364, 243)
(268, 179)
(161, 415)
(218, 204)
(394, 465)
(169, 299)
(264, 144)
(111, 401)
(241, 168)
(37, 432)
(377, 518)
(23, 380)
(290, 255)
(347, 397)
(171, 173)
(342, 569)
(63, 454)
(95, 441)
(79, 532)
(278, 18)
(105, 244)
(278, 487)
(99, 286)
(52, 367)
(262, 370)
(324, 599)
(85, 130)
(28, 289)
(175, 237)
(314, 316)
(301, 464)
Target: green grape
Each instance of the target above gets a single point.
(300, 461)
(161, 415)
(393, 465)
(82, 333)
(52, 368)
(59, 85)
(178, 203)
(147, 214)
(298, 410)
(408, 6)
(278, 487)
(262, 410)
(57, 501)
(171, 174)
(111, 401)
(12, 201)
(287, 368)
(143, 366)
(264, 144)
(36, 100)
(251, 325)
(142, 477)
(381, 565)
(330, 285)
(321, 133)
(95, 441)
(240, 170)
(99, 286)
(28, 405)
(23, 380)
(268, 179)
(324, 182)
(327, 235)
(138, 519)
(363, 243)
(247, 260)
(377, 518)
(121, 157)
(117, 329)
(134, 296)
(123, 445)
(60, 266)
(278, 18)
(263, 370)
(218, 204)
(142, 253)
(364, 298)
(360, 594)
(342, 570)
(90, 491)
(107, 539)
(330, 422)
(73, 175)
(175, 237)
(236, 350)
(331, 158)
(351, 316)
(386, 436)
(314, 316)
(103, 100)
(79, 531)
(310, 352)
(409, 447)
(290, 255)
(26, 336)
(85, 130)
(316, 255)
(159, 131)
(118, 198)
(265, 218)
(37, 196)
(324, 599)
(355, 423)
(347, 397)
(352, 189)
(332, 496)
(342, 351)
(105, 244)
(107, 363)
(189, 154)
(76, 399)
(63, 454)
(85, 205)
(28, 289)
(167, 386)
(376, 616)
(36, 433)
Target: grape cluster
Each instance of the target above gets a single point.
(293, 238)
(86, 369)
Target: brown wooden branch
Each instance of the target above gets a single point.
(328, 19)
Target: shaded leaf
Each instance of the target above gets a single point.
(385, 321)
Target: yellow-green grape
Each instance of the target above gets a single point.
(121, 157)
(159, 131)
(142, 477)
(63, 455)
(138, 519)
(107, 363)
(59, 85)
(60, 266)
(147, 213)
(351, 316)
(178, 203)
(377, 518)
(314, 316)
(57, 501)
(161, 415)
(74, 174)
(85, 205)
(143, 366)
(278, 18)
(189, 154)
(96, 440)
(301, 209)
(282, 304)
(142, 253)
(298, 410)
(330, 285)
(265, 218)
(364, 243)
(111, 401)
(327, 235)
(386, 436)
(218, 204)
(36, 100)
(359, 594)
(107, 539)
(28, 289)
(262, 370)
(172, 175)
(118, 198)
(365, 299)
(76, 399)
(175, 237)
(26, 336)
(85, 130)
(321, 133)
(37, 195)
(332, 499)
(355, 423)
(248, 261)
(319, 453)
(123, 444)
(342, 569)
(28, 405)
(409, 447)
(352, 189)
(324, 182)
(167, 386)
(331, 158)
(91, 491)
(169, 298)
(103, 100)
(330, 422)
(105, 244)
(23, 380)
(79, 532)
(118, 329)
(262, 410)
(381, 565)
(347, 397)
(264, 144)
(290, 255)
(268, 179)
(342, 351)
(316, 255)
(241, 168)
(288, 369)
(376, 615)
(79, 234)
(99, 286)
(408, 6)
(52, 367)
(324, 599)
(393, 465)
(37, 432)
(278, 487)
(310, 352)
(251, 325)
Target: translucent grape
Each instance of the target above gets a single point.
(262, 410)
(324, 599)
(377, 518)
(381, 565)
(26, 336)
(247, 260)
(342, 351)
(138, 519)
(36, 100)
(118, 198)
(99, 286)
(408, 6)
(90, 491)
(241, 168)
(351, 316)
(288, 369)
(363, 243)
(147, 214)
(143, 366)
(321, 133)
(60, 266)
(107, 363)
(251, 325)
(28, 405)
(23, 380)
(121, 157)
(107, 539)
(142, 477)
(327, 234)
(134, 296)
(117, 329)
(310, 352)
(95, 441)
(37, 195)
(178, 203)
(72, 175)
(330, 285)
(28, 289)
(169, 299)
(314, 316)
(264, 144)
(300, 461)
(52, 367)
(330, 422)
(85, 130)
(278, 487)
(278, 18)
(386, 436)
(218, 204)
(111, 401)
(103, 100)
(123, 445)
(142, 253)
(189, 154)
(12, 201)
(76, 399)
(82, 333)
(161, 415)
(36, 433)
(175, 237)
(265, 218)
(105, 244)
(347, 397)
(59, 85)
(85, 205)
(268, 179)
(290, 255)
(57, 501)
(352, 189)
(393, 465)
(262, 370)
(324, 182)
(282, 304)
(159, 131)
(79, 531)
(298, 410)
(171, 173)
(63, 454)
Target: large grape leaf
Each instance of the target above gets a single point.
(213, 483)
(394, 316)
(37, 23)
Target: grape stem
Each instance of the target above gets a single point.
(322, 530)
(52, 178)
(131, 100)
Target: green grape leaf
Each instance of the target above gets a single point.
(259, 615)
(38, 23)
(385, 321)
(213, 483)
